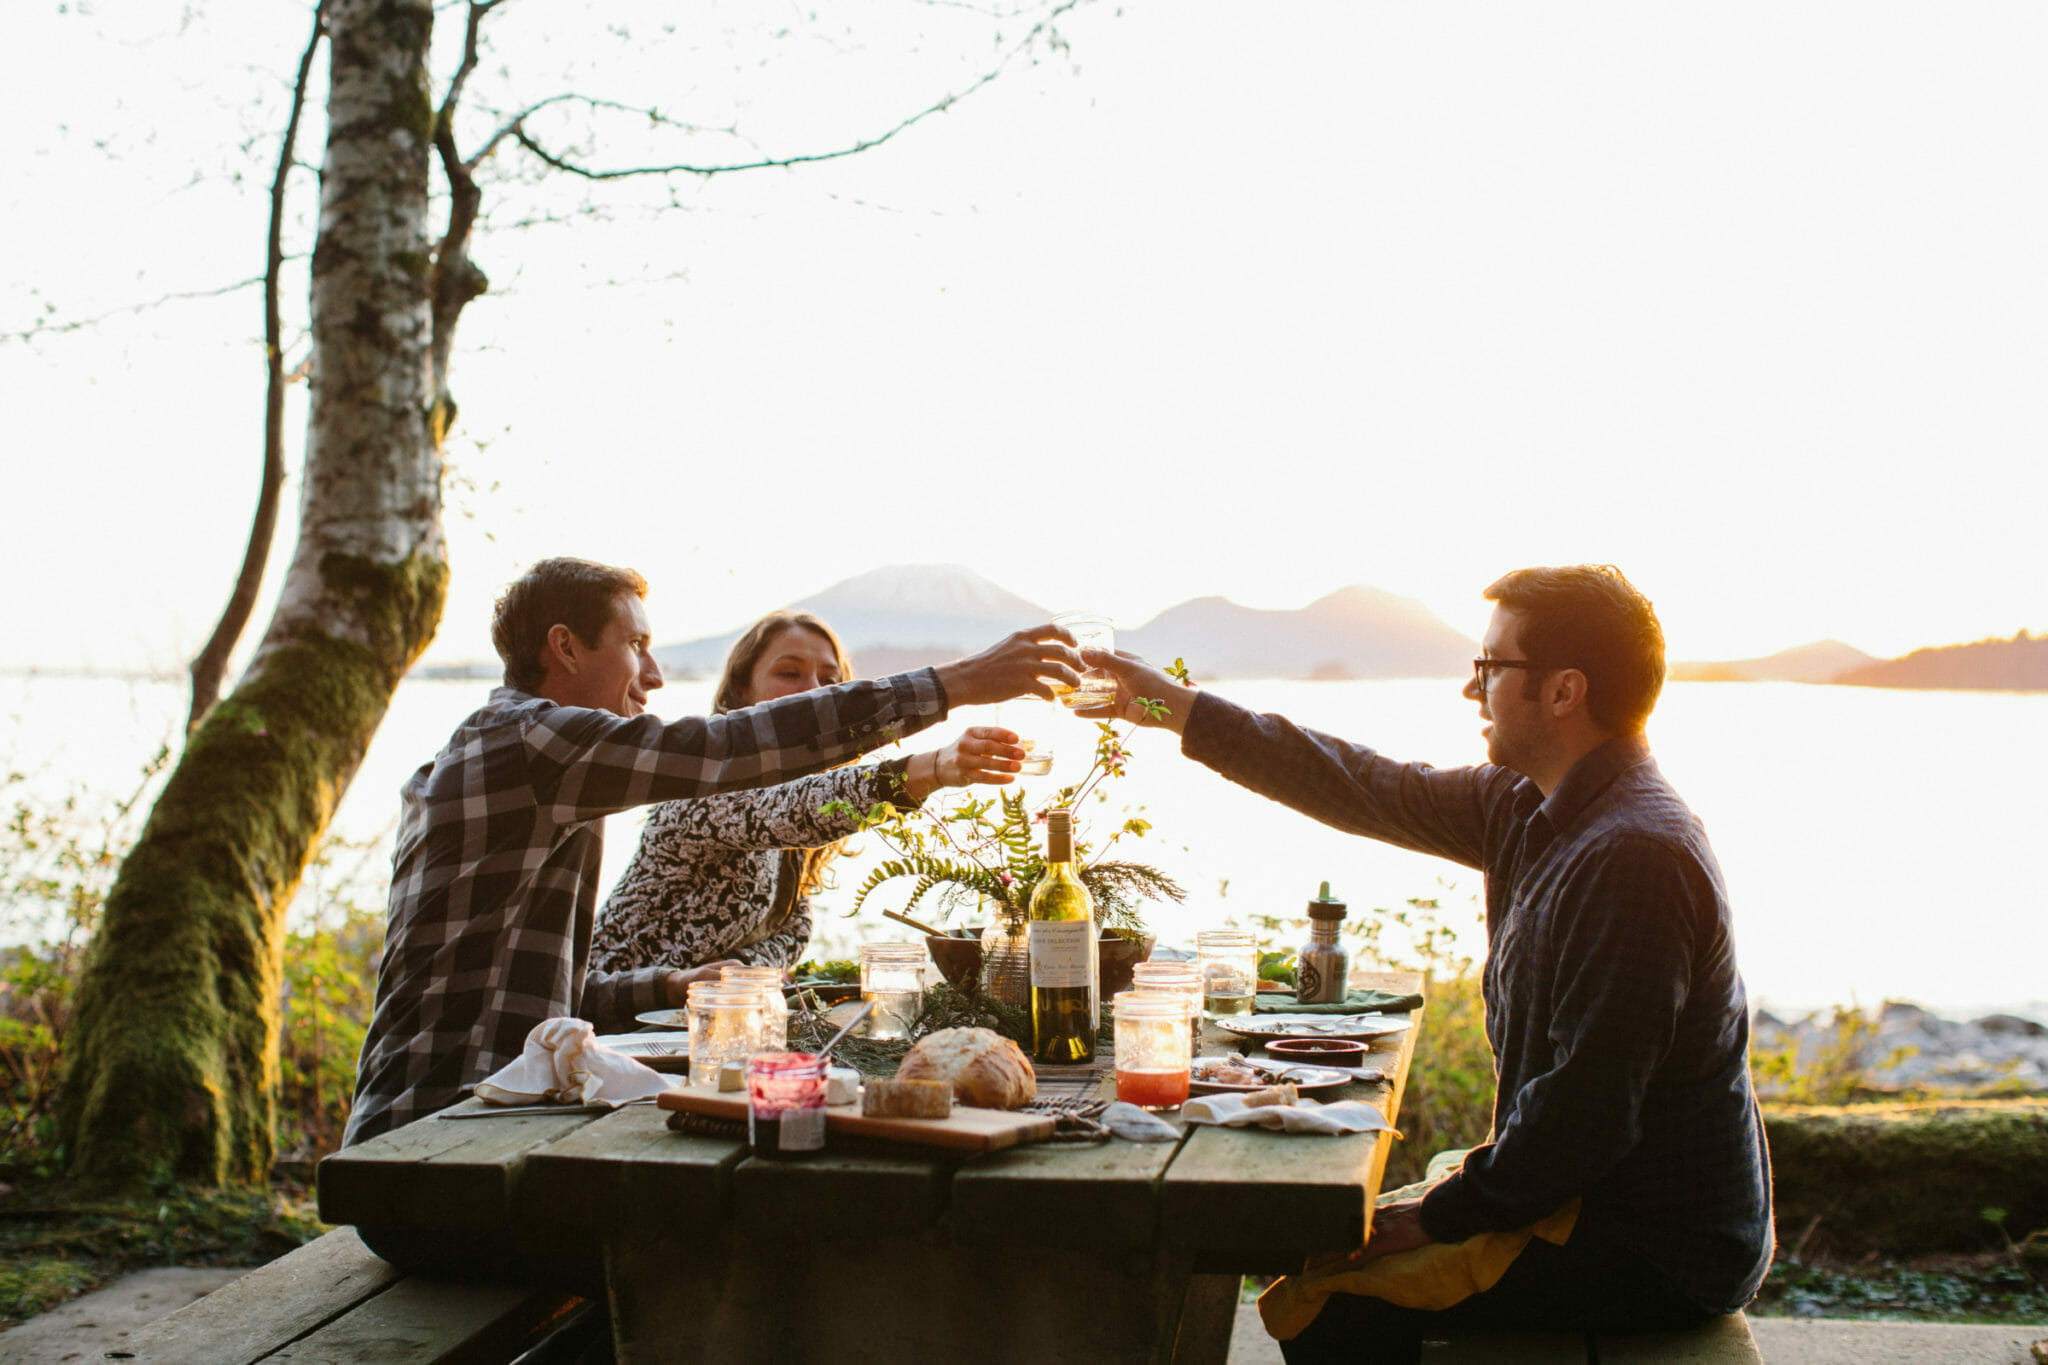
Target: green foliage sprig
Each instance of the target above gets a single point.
(986, 849)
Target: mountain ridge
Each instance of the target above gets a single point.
(904, 616)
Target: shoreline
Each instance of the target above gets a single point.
(1901, 1046)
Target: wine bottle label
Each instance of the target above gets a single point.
(1059, 951)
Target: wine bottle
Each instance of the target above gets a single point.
(1064, 953)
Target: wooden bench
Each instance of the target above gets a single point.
(332, 1300)
(1724, 1341)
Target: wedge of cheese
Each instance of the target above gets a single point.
(906, 1100)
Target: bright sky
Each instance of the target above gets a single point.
(1242, 299)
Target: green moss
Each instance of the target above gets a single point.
(172, 1064)
(31, 1285)
(400, 602)
(58, 1239)
(1895, 1179)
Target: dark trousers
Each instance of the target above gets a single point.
(1579, 1287)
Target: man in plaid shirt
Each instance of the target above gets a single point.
(494, 882)
(1616, 1014)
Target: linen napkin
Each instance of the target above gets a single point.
(1303, 1116)
(1133, 1124)
(565, 1064)
(1358, 1002)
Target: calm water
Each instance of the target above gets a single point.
(1877, 844)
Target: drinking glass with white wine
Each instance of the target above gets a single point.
(1091, 630)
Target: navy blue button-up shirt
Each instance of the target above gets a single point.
(1617, 1017)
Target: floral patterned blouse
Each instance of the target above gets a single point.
(704, 880)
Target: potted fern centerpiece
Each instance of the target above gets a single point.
(987, 853)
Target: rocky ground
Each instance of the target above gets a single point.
(1904, 1048)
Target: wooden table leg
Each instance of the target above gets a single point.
(1206, 1319)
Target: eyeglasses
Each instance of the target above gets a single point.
(1479, 667)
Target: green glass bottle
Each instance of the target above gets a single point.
(1064, 953)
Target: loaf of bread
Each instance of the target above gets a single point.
(900, 1099)
(1283, 1093)
(984, 1068)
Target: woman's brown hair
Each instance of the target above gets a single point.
(731, 695)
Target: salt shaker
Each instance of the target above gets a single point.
(1323, 971)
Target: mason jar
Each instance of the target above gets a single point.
(774, 1007)
(1229, 960)
(1174, 978)
(1153, 1049)
(892, 976)
(725, 1026)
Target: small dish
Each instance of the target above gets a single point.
(1302, 1078)
(1355, 1026)
(668, 1053)
(1319, 1051)
(678, 1019)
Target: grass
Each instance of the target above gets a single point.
(1986, 1288)
(57, 1241)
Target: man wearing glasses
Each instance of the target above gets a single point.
(1614, 1008)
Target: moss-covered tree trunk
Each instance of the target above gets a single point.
(172, 1060)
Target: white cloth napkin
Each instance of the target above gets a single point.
(1133, 1124)
(565, 1064)
(1303, 1116)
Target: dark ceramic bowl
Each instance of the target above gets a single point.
(959, 958)
(1327, 1051)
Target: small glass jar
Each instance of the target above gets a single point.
(725, 1026)
(774, 1008)
(785, 1104)
(892, 976)
(1153, 1050)
(1229, 959)
(1174, 978)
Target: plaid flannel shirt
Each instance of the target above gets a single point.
(1615, 1011)
(494, 881)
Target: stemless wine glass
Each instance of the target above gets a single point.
(1091, 630)
(1035, 723)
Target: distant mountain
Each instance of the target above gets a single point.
(890, 619)
(1355, 632)
(2016, 665)
(907, 616)
(1819, 662)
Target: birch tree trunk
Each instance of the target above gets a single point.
(172, 1060)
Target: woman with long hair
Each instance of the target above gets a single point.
(729, 878)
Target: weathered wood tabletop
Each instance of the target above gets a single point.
(890, 1253)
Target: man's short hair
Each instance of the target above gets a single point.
(578, 593)
(1589, 617)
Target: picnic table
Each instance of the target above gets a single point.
(1118, 1252)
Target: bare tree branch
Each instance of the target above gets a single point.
(80, 324)
(562, 163)
(456, 279)
(211, 665)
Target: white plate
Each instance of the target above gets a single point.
(668, 1018)
(668, 1052)
(1266, 1027)
(1301, 1076)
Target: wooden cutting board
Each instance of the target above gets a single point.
(968, 1130)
